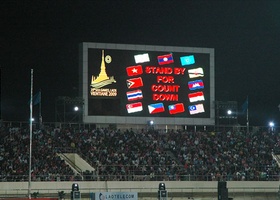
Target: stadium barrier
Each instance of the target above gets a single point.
(145, 189)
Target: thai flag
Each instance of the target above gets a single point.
(134, 95)
(134, 107)
(156, 108)
(195, 85)
(165, 59)
(176, 108)
(197, 96)
(187, 60)
(195, 109)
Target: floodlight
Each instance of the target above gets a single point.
(75, 187)
(271, 124)
(161, 186)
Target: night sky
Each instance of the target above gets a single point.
(44, 36)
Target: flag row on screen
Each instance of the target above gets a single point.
(159, 107)
(137, 70)
(165, 59)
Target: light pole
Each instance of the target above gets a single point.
(271, 126)
(229, 112)
(77, 113)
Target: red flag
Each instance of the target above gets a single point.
(134, 70)
(176, 108)
(197, 96)
(134, 107)
(134, 82)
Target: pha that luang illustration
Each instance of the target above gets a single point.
(102, 79)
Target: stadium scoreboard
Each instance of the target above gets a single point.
(132, 84)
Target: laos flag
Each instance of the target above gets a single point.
(165, 59)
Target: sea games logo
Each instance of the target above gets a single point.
(102, 80)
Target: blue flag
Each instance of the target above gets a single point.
(245, 106)
(36, 99)
(187, 60)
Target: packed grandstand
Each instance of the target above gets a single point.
(146, 154)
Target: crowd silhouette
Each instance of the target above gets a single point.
(138, 155)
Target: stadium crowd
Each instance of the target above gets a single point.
(138, 154)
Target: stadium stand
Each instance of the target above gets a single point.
(134, 155)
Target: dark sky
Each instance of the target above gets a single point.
(44, 36)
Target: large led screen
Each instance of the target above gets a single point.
(145, 83)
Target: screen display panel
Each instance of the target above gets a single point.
(144, 83)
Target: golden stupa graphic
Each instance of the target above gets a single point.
(102, 79)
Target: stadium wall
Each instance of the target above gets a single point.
(192, 188)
